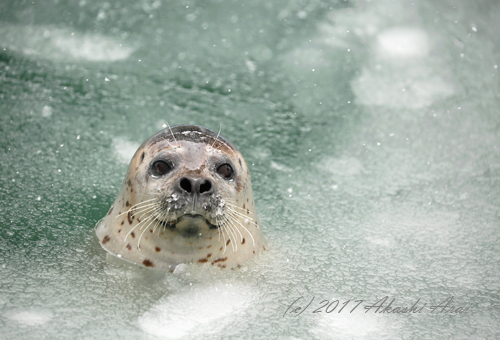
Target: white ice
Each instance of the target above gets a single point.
(30, 317)
(197, 310)
(124, 149)
(64, 44)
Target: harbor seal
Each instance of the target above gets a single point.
(186, 198)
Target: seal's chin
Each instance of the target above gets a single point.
(189, 225)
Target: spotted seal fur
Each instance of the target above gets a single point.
(186, 198)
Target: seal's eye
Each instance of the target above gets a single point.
(225, 171)
(160, 168)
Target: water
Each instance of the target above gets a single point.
(371, 129)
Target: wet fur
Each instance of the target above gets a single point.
(144, 224)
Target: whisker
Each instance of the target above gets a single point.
(138, 224)
(215, 140)
(224, 238)
(239, 232)
(139, 210)
(238, 214)
(138, 205)
(237, 221)
(219, 224)
(171, 133)
(231, 231)
(146, 227)
(240, 208)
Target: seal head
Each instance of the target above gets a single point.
(186, 198)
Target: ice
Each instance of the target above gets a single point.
(403, 43)
(348, 325)
(31, 318)
(370, 129)
(46, 111)
(124, 149)
(197, 311)
(63, 43)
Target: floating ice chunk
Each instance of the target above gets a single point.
(124, 149)
(199, 310)
(341, 166)
(280, 167)
(413, 87)
(345, 325)
(31, 317)
(61, 43)
(402, 42)
(46, 111)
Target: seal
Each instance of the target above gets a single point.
(186, 198)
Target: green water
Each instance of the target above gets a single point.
(371, 130)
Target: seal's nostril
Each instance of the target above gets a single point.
(206, 186)
(186, 185)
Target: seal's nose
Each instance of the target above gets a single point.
(191, 186)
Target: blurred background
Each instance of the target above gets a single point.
(371, 129)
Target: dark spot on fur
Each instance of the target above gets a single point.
(142, 157)
(239, 161)
(129, 215)
(208, 255)
(157, 249)
(264, 248)
(220, 249)
(148, 263)
(243, 241)
(239, 184)
(105, 239)
(243, 206)
(220, 260)
(110, 210)
(119, 231)
(123, 222)
(248, 212)
(151, 231)
(129, 182)
(202, 260)
(132, 234)
(127, 204)
(228, 242)
(254, 251)
(209, 246)
(129, 247)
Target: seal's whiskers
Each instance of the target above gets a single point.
(138, 206)
(235, 220)
(152, 209)
(146, 226)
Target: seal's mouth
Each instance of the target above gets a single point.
(189, 225)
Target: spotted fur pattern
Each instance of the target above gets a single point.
(142, 226)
